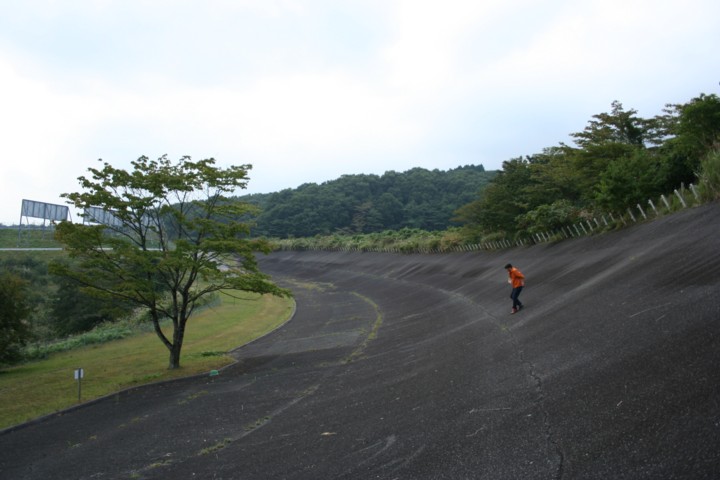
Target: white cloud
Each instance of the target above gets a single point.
(309, 90)
(41, 130)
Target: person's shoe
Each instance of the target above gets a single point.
(514, 310)
(521, 307)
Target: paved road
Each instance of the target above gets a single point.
(410, 367)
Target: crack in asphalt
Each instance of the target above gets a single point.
(547, 422)
(533, 374)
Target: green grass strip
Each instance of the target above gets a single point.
(373, 333)
(42, 387)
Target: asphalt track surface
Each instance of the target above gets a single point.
(411, 367)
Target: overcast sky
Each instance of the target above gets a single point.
(309, 90)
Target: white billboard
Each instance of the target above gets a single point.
(103, 217)
(46, 211)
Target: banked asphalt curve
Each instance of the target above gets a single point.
(411, 367)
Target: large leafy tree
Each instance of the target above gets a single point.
(617, 126)
(168, 238)
(607, 138)
(693, 129)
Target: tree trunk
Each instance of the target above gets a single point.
(175, 356)
(178, 337)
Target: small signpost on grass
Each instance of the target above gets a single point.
(79, 374)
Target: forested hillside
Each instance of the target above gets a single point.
(618, 161)
(352, 204)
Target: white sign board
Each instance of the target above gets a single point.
(47, 211)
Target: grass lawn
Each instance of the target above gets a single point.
(34, 389)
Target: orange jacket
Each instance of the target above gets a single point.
(516, 277)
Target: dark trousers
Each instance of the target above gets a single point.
(514, 295)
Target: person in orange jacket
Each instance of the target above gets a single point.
(517, 280)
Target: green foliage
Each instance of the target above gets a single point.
(619, 160)
(39, 286)
(502, 201)
(546, 218)
(418, 198)
(553, 176)
(709, 176)
(74, 310)
(695, 127)
(619, 127)
(176, 238)
(14, 311)
(628, 181)
(607, 142)
(692, 131)
(57, 306)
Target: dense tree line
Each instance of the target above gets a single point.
(418, 198)
(619, 160)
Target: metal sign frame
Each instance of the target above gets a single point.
(45, 211)
(101, 216)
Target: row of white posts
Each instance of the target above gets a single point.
(580, 229)
(568, 232)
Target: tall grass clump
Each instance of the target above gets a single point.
(103, 333)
